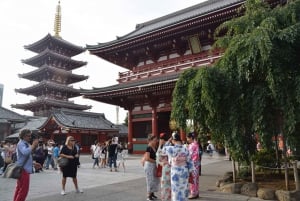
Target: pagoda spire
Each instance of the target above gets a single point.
(57, 21)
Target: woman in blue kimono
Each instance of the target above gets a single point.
(181, 166)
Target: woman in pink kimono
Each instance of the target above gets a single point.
(194, 153)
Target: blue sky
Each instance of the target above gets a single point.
(83, 22)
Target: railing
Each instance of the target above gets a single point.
(170, 65)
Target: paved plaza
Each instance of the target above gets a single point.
(103, 185)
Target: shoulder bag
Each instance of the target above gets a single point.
(14, 171)
(62, 162)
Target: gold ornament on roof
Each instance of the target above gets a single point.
(57, 21)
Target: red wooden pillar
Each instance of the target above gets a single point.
(130, 132)
(182, 135)
(154, 121)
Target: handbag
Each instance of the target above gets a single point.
(158, 171)
(14, 171)
(8, 160)
(62, 162)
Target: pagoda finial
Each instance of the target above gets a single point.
(57, 21)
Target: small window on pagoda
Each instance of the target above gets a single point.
(194, 44)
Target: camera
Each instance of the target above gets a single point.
(34, 136)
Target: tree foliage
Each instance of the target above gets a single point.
(255, 86)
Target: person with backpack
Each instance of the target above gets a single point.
(210, 148)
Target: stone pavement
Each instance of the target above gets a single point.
(102, 185)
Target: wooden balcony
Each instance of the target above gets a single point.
(170, 65)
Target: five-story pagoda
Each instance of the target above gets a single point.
(54, 75)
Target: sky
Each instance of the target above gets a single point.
(84, 22)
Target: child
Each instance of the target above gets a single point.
(122, 154)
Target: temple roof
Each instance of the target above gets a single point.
(32, 123)
(44, 101)
(7, 115)
(49, 40)
(37, 90)
(157, 80)
(69, 76)
(46, 55)
(170, 20)
(80, 120)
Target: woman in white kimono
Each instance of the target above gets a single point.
(162, 159)
(181, 166)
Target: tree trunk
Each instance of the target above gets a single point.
(253, 171)
(233, 171)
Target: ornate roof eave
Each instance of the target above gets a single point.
(37, 46)
(132, 85)
(164, 23)
(50, 103)
(46, 54)
(73, 119)
(33, 75)
(49, 85)
(115, 94)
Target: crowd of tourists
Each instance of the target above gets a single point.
(172, 166)
(109, 154)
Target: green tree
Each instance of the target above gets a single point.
(262, 55)
(255, 86)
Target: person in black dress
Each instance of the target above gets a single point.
(69, 151)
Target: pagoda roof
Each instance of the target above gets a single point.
(170, 20)
(35, 90)
(75, 119)
(49, 40)
(7, 115)
(38, 60)
(33, 75)
(50, 103)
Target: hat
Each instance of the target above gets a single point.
(163, 136)
(176, 136)
(191, 135)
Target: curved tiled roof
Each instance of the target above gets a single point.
(72, 92)
(46, 54)
(8, 115)
(134, 84)
(172, 20)
(40, 45)
(73, 77)
(51, 103)
(81, 120)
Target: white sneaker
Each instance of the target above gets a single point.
(63, 192)
(79, 191)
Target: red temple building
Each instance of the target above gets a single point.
(155, 54)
